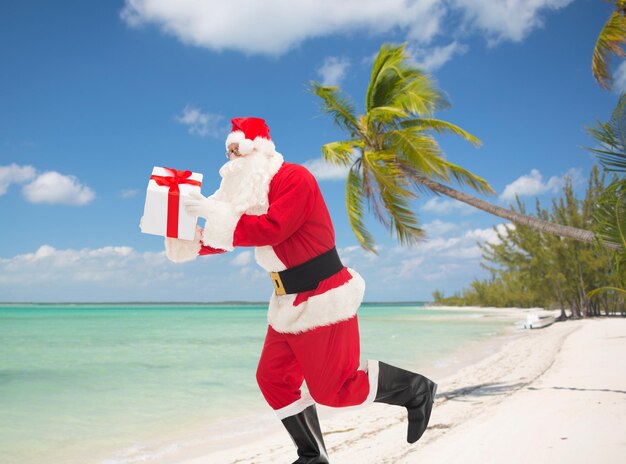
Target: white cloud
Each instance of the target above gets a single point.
(50, 273)
(619, 78)
(242, 259)
(438, 205)
(277, 26)
(323, 170)
(201, 123)
(434, 263)
(52, 187)
(121, 273)
(489, 235)
(433, 58)
(63, 259)
(438, 227)
(505, 19)
(254, 274)
(409, 266)
(14, 174)
(129, 193)
(532, 184)
(333, 70)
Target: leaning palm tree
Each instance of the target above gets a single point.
(392, 154)
(610, 41)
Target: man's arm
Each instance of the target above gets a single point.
(292, 201)
(292, 205)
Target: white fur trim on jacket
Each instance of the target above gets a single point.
(180, 251)
(267, 258)
(219, 228)
(335, 305)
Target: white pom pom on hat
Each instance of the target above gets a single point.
(251, 134)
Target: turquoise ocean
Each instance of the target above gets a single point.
(107, 383)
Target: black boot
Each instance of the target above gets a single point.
(305, 432)
(413, 391)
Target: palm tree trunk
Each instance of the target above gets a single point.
(581, 235)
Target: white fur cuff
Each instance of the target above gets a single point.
(296, 407)
(371, 367)
(220, 225)
(181, 251)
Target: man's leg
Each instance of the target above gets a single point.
(280, 377)
(329, 357)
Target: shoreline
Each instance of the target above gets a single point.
(445, 341)
(465, 402)
(227, 434)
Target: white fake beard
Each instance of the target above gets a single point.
(246, 182)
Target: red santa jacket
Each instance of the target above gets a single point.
(296, 228)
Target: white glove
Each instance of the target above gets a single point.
(198, 204)
(221, 219)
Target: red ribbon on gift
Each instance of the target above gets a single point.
(173, 195)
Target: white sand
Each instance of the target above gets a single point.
(547, 396)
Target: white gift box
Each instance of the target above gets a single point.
(157, 214)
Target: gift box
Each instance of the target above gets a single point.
(163, 212)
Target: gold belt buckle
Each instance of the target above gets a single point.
(278, 284)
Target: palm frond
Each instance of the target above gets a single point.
(397, 83)
(381, 82)
(417, 149)
(612, 137)
(599, 291)
(354, 208)
(464, 177)
(341, 153)
(441, 127)
(371, 193)
(609, 42)
(385, 115)
(338, 106)
(394, 195)
(610, 214)
(416, 93)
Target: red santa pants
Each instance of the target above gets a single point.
(327, 358)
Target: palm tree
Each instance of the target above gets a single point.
(609, 42)
(392, 154)
(610, 212)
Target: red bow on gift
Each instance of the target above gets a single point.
(173, 196)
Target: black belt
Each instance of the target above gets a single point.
(307, 276)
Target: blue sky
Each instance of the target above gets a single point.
(93, 94)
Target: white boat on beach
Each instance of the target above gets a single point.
(537, 321)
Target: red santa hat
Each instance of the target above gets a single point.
(251, 134)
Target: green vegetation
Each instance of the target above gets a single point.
(609, 43)
(393, 155)
(532, 269)
(610, 209)
(529, 268)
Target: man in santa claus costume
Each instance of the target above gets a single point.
(313, 333)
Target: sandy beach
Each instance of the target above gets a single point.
(549, 395)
